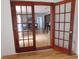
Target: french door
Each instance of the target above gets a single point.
(61, 25)
(64, 18)
(23, 23)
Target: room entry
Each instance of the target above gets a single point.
(25, 26)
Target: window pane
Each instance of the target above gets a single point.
(66, 43)
(61, 35)
(57, 17)
(26, 43)
(61, 8)
(24, 19)
(23, 9)
(67, 17)
(18, 18)
(60, 43)
(30, 42)
(67, 26)
(56, 34)
(20, 43)
(66, 36)
(18, 9)
(57, 9)
(56, 42)
(19, 27)
(20, 35)
(26, 35)
(61, 26)
(29, 10)
(56, 26)
(61, 17)
(68, 7)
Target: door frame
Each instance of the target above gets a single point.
(52, 11)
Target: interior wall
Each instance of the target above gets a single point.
(7, 39)
(75, 30)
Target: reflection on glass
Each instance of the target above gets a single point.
(23, 9)
(68, 7)
(56, 42)
(19, 26)
(20, 43)
(61, 8)
(29, 10)
(61, 26)
(56, 26)
(18, 9)
(61, 35)
(60, 43)
(66, 43)
(57, 9)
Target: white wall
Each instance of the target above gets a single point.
(7, 40)
(75, 32)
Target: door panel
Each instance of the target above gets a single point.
(63, 23)
(24, 27)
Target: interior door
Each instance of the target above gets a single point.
(23, 26)
(64, 18)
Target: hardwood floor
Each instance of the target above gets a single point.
(41, 54)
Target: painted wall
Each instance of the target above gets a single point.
(75, 32)
(7, 39)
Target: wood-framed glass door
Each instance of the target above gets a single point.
(23, 26)
(64, 18)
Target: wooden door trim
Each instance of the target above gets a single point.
(32, 3)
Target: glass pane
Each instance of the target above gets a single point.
(18, 18)
(56, 42)
(30, 42)
(18, 9)
(56, 34)
(61, 8)
(25, 27)
(24, 19)
(57, 9)
(20, 43)
(66, 36)
(66, 43)
(56, 26)
(61, 26)
(26, 43)
(23, 9)
(67, 26)
(67, 17)
(29, 17)
(20, 35)
(68, 7)
(19, 26)
(61, 35)
(30, 35)
(29, 10)
(57, 17)
(26, 35)
(61, 17)
(60, 43)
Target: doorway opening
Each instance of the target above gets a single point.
(42, 26)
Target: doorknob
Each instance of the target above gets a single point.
(70, 32)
